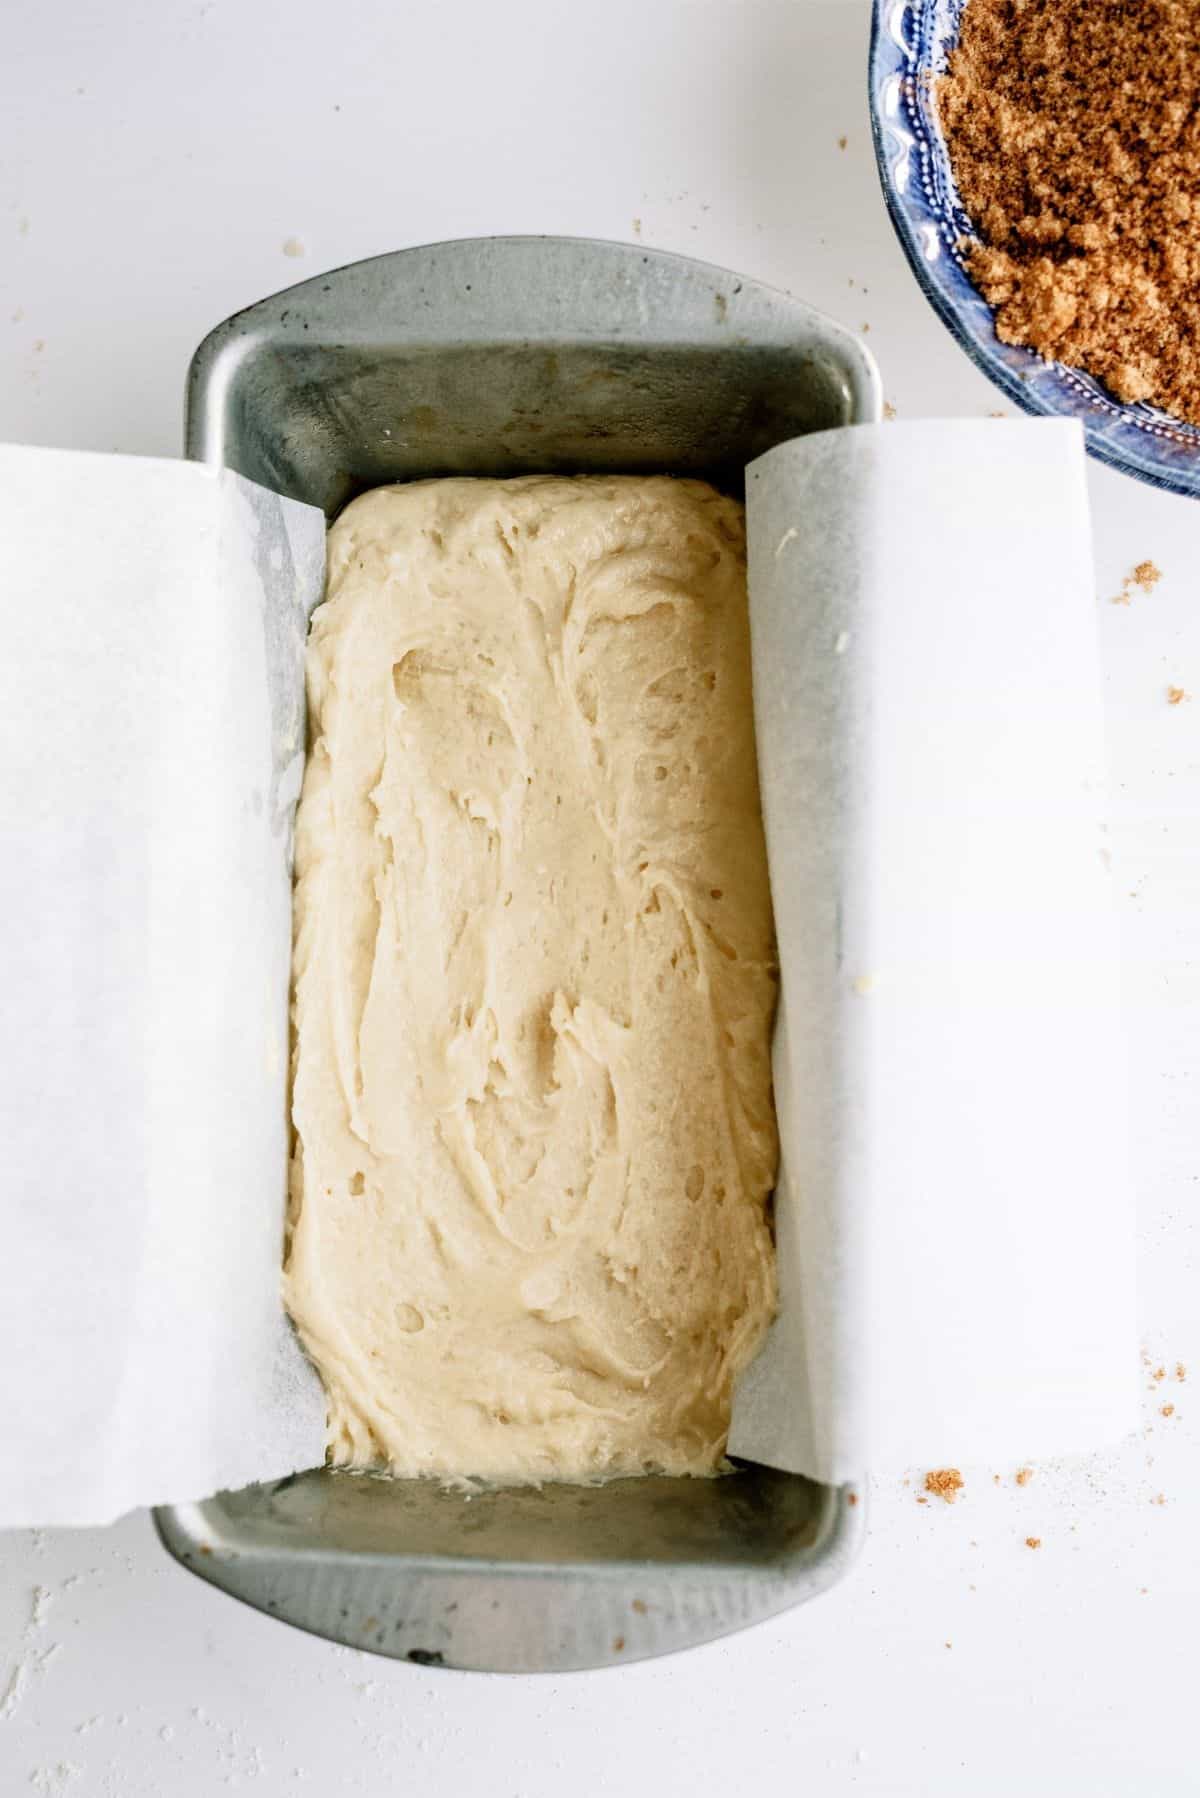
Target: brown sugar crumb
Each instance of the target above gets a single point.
(1166, 1410)
(944, 1482)
(1072, 130)
(1145, 576)
(1180, 1371)
(639, 1605)
(889, 411)
(922, 1501)
(1176, 695)
(852, 1497)
(1160, 1373)
(1160, 1498)
(1024, 1475)
(618, 1644)
(842, 142)
(1033, 1541)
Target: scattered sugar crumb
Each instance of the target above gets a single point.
(166, 1733)
(1160, 1373)
(1144, 575)
(39, 344)
(1024, 1475)
(842, 142)
(889, 411)
(1033, 1541)
(292, 246)
(1166, 1410)
(922, 1501)
(945, 1483)
(1176, 695)
(1180, 1371)
(1160, 1498)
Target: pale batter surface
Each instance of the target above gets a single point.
(534, 982)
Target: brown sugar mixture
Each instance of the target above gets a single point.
(1074, 131)
(944, 1482)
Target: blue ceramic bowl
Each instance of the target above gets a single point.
(909, 44)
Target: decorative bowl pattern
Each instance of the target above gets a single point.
(910, 40)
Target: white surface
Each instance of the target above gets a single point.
(150, 714)
(955, 1285)
(136, 213)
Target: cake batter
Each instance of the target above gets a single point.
(534, 982)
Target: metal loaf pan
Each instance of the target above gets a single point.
(502, 356)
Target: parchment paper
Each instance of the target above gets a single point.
(151, 739)
(954, 1213)
(953, 1217)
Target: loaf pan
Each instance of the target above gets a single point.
(504, 356)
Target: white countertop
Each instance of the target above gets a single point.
(162, 165)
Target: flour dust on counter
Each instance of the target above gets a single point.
(535, 977)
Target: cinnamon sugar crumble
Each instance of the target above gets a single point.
(944, 1482)
(1176, 695)
(1024, 1475)
(1074, 131)
(1145, 576)
(1033, 1541)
